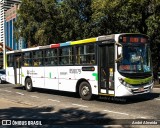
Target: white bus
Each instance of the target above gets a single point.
(112, 65)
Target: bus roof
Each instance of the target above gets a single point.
(70, 43)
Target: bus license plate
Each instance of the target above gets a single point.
(141, 89)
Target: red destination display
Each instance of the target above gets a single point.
(133, 39)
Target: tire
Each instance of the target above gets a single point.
(28, 85)
(1, 81)
(85, 91)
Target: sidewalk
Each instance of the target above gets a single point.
(156, 84)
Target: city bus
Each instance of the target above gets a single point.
(111, 65)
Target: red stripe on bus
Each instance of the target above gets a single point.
(55, 45)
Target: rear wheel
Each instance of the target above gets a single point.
(85, 91)
(28, 85)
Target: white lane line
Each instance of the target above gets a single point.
(7, 91)
(143, 117)
(115, 112)
(53, 100)
(48, 112)
(79, 105)
(35, 96)
(157, 99)
(20, 93)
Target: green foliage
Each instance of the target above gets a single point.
(44, 22)
(75, 19)
(124, 16)
(48, 21)
(36, 21)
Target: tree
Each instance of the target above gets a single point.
(75, 19)
(124, 16)
(44, 22)
(36, 20)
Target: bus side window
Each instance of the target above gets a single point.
(66, 56)
(85, 54)
(35, 62)
(27, 61)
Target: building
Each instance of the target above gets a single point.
(8, 15)
(10, 18)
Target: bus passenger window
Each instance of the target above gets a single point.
(85, 54)
(25, 63)
(36, 62)
(66, 56)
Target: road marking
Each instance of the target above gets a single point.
(46, 112)
(79, 105)
(28, 103)
(35, 96)
(157, 99)
(7, 91)
(143, 117)
(115, 112)
(20, 93)
(53, 100)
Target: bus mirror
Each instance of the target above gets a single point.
(119, 52)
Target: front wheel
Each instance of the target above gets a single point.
(28, 85)
(85, 91)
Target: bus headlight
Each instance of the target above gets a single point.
(121, 80)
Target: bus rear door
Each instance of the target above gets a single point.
(17, 68)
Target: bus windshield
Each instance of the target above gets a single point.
(136, 59)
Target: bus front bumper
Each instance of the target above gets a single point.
(126, 91)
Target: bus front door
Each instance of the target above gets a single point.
(17, 68)
(106, 69)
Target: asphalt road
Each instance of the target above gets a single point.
(55, 107)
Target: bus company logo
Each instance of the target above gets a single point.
(6, 122)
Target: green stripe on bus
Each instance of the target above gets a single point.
(96, 76)
(22, 75)
(50, 75)
(137, 81)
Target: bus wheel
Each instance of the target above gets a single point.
(28, 85)
(85, 91)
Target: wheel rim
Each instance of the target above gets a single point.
(29, 85)
(85, 91)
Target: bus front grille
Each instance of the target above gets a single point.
(140, 90)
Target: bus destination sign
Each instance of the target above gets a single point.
(133, 39)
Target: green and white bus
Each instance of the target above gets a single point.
(111, 65)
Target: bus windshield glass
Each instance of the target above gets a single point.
(136, 59)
